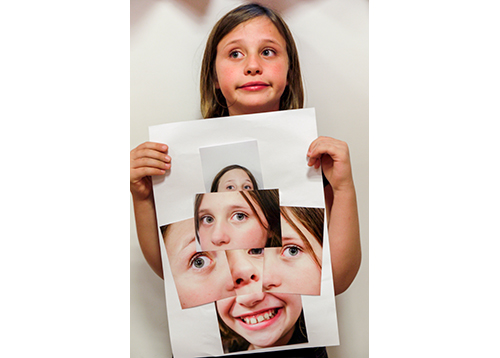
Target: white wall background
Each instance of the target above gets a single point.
(167, 39)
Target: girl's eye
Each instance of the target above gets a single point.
(291, 251)
(230, 187)
(268, 52)
(240, 216)
(235, 54)
(207, 219)
(256, 252)
(200, 261)
(248, 187)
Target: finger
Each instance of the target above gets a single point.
(160, 147)
(150, 153)
(138, 174)
(149, 163)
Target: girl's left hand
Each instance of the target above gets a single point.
(333, 155)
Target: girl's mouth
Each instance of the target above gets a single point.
(254, 86)
(259, 320)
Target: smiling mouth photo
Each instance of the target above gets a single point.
(261, 317)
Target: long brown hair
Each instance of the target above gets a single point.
(216, 181)
(213, 103)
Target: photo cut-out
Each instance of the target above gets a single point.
(248, 219)
(296, 266)
(221, 160)
(199, 277)
(246, 269)
(261, 320)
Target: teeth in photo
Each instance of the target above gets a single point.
(260, 318)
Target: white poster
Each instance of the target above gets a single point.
(242, 222)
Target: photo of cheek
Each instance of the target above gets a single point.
(261, 320)
(296, 266)
(200, 277)
(237, 220)
(246, 269)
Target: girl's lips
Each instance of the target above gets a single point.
(259, 320)
(254, 86)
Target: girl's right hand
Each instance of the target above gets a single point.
(147, 159)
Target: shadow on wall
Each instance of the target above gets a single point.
(199, 8)
(139, 8)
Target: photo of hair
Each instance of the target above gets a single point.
(245, 219)
(200, 277)
(261, 320)
(234, 178)
(296, 266)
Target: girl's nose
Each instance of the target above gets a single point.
(243, 271)
(219, 235)
(253, 66)
(271, 277)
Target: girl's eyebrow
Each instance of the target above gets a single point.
(238, 41)
(228, 208)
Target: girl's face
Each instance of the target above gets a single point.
(226, 222)
(200, 277)
(292, 268)
(263, 319)
(252, 67)
(235, 180)
(246, 269)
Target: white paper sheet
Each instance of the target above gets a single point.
(283, 139)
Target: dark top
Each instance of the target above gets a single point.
(319, 352)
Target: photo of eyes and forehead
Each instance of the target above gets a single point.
(296, 266)
(199, 277)
(234, 178)
(234, 166)
(248, 219)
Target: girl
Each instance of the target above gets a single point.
(296, 267)
(251, 65)
(238, 220)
